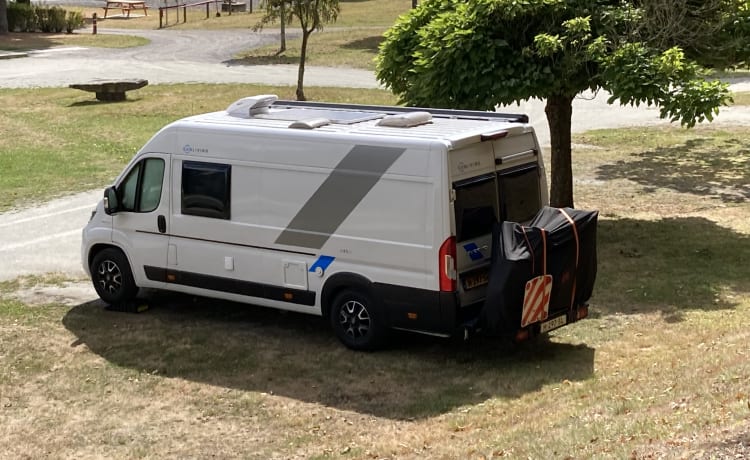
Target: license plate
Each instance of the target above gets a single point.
(476, 279)
(554, 323)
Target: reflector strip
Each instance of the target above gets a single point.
(537, 294)
(536, 300)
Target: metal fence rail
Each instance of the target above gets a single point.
(164, 10)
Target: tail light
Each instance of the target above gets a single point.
(447, 265)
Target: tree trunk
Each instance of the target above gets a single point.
(559, 109)
(301, 70)
(3, 17)
(282, 46)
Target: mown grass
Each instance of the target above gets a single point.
(65, 141)
(355, 13)
(659, 370)
(28, 41)
(354, 48)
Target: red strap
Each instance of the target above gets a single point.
(544, 254)
(531, 249)
(575, 233)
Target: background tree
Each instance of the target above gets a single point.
(3, 17)
(276, 10)
(478, 54)
(311, 15)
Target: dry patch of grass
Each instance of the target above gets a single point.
(355, 48)
(659, 370)
(34, 41)
(356, 13)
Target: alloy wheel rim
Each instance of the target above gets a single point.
(110, 277)
(354, 319)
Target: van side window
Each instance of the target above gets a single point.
(141, 189)
(206, 189)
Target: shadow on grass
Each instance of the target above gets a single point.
(98, 102)
(26, 41)
(263, 60)
(294, 355)
(696, 166)
(368, 43)
(670, 265)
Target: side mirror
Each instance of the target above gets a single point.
(110, 200)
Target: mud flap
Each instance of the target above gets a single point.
(559, 249)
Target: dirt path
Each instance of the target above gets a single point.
(173, 56)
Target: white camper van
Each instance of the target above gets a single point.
(375, 217)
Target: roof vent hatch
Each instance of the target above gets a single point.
(251, 106)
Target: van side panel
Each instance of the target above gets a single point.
(388, 236)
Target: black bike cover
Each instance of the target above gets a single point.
(519, 253)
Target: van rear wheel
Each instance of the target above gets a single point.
(356, 321)
(112, 277)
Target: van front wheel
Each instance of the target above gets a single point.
(112, 277)
(356, 321)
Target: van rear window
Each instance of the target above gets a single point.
(520, 199)
(475, 207)
(206, 189)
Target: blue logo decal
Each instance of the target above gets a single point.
(474, 252)
(187, 148)
(323, 262)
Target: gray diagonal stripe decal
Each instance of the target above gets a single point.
(351, 180)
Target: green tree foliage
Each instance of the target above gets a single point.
(481, 53)
(311, 15)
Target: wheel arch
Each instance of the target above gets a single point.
(340, 282)
(99, 247)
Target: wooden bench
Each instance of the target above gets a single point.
(110, 90)
(126, 6)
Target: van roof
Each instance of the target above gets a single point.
(454, 126)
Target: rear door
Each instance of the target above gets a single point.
(513, 189)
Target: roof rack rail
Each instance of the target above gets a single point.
(387, 110)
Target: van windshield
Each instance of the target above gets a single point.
(475, 206)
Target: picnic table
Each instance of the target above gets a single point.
(126, 6)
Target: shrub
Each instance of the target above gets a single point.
(74, 21)
(21, 17)
(57, 22)
(42, 18)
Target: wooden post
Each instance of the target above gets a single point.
(184, 12)
(93, 23)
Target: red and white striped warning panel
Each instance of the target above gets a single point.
(536, 300)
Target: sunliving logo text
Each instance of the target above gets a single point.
(190, 149)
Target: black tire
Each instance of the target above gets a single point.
(112, 277)
(357, 321)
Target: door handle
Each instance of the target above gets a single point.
(161, 221)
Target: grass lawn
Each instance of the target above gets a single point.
(659, 370)
(332, 47)
(354, 13)
(71, 142)
(28, 41)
